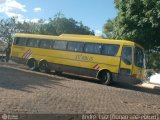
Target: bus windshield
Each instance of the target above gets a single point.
(139, 57)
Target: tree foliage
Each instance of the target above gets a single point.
(108, 28)
(138, 21)
(153, 60)
(62, 25)
(7, 28)
(54, 26)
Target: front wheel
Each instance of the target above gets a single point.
(106, 77)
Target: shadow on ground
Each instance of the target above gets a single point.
(20, 80)
(77, 77)
(138, 88)
(114, 85)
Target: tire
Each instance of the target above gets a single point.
(32, 64)
(44, 67)
(106, 78)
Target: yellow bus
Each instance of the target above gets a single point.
(104, 59)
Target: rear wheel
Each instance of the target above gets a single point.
(32, 64)
(105, 77)
(43, 66)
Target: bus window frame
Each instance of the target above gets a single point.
(82, 51)
(143, 63)
(32, 39)
(89, 52)
(107, 54)
(131, 59)
(60, 41)
(52, 43)
(19, 38)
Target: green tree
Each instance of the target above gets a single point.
(55, 26)
(62, 25)
(108, 28)
(8, 28)
(47, 29)
(30, 27)
(138, 21)
(153, 60)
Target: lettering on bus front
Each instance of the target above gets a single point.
(84, 58)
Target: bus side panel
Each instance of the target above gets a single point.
(78, 63)
(73, 69)
(99, 62)
(85, 64)
(17, 53)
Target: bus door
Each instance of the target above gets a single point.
(126, 65)
(139, 64)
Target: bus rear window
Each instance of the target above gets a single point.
(20, 41)
(111, 50)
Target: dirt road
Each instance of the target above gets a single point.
(24, 91)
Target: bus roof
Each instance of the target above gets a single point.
(81, 38)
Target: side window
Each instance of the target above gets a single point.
(33, 42)
(75, 46)
(60, 45)
(127, 55)
(49, 44)
(46, 44)
(20, 41)
(92, 48)
(110, 50)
